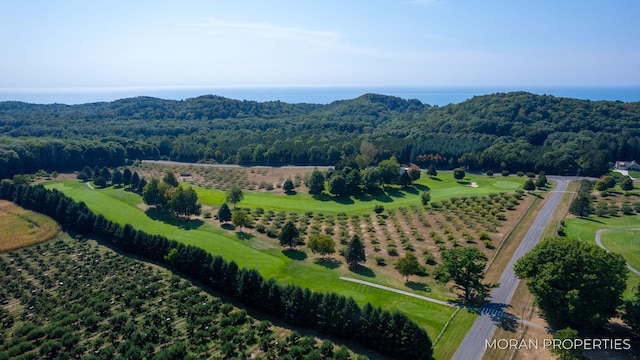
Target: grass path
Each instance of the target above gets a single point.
(624, 242)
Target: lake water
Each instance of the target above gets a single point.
(319, 95)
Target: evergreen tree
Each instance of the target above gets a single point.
(289, 235)
(126, 177)
(431, 171)
(135, 179)
(288, 186)
(141, 184)
(315, 183)
(171, 179)
(116, 178)
(106, 174)
(355, 252)
(224, 213)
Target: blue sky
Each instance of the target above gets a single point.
(84, 44)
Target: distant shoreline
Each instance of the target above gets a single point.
(439, 96)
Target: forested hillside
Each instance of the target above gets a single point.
(513, 131)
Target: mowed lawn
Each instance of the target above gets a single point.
(442, 187)
(625, 243)
(585, 229)
(123, 207)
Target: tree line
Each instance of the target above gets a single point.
(515, 131)
(390, 333)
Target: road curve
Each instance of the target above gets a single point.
(599, 242)
(474, 343)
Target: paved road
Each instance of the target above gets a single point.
(473, 345)
(599, 242)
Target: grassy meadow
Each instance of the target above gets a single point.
(22, 227)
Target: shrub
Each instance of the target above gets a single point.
(488, 244)
(378, 209)
(380, 261)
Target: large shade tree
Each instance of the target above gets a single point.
(576, 284)
(465, 266)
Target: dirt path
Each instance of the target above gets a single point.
(599, 242)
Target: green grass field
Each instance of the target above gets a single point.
(585, 229)
(442, 187)
(251, 252)
(625, 243)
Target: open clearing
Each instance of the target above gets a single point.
(22, 227)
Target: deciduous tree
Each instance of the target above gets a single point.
(322, 244)
(234, 196)
(409, 265)
(576, 284)
(459, 173)
(580, 206)
(240, 219)
(529, 185)
(389, 170)
(465, 266)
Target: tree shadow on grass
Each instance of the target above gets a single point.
(417, 286)
(165, 217)
(228, 226)
(243, 235)
(395, 192)
(297, 255)
(329, 263)
(422, 187)
(435, 178)
(345, 200)
(411, 190)
(364, 271)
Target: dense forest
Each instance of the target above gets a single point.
(515, 131)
